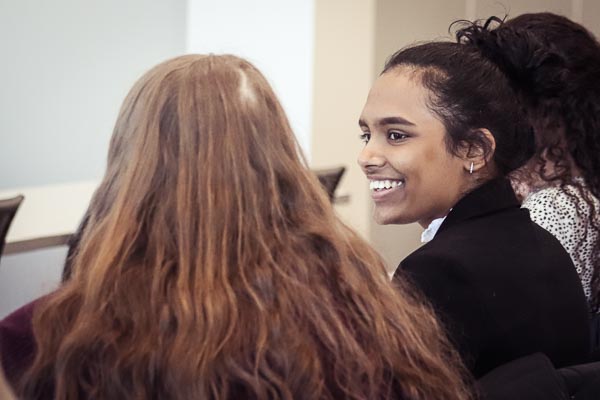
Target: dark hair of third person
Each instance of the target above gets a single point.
(553, 65)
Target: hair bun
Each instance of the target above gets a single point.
(510, 51)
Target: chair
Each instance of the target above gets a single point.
(533, 377)
(8, 209)
(330, 179)
(582, 381)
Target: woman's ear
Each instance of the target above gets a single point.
(478, 150)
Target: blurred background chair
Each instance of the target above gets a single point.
(8, 209)
(330, 179)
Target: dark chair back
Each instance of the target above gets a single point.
(330, 179)
(583, 381)
(8, 209)
(532, 377)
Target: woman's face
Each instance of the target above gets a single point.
(412, 176)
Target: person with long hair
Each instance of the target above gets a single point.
(553, 64)
(212, 266)
(442, 131)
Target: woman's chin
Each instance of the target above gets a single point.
(384, 217)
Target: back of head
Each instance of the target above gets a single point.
(213, 267)
(469, 93)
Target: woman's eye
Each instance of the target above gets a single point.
(365, 137)
(396, 136)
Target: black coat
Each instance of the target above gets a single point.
(503, 286)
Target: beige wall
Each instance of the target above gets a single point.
(590, 16)
(353, 40)
(400, 23)
(344, 62)
(485, 8)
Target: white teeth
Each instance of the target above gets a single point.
(386, 184)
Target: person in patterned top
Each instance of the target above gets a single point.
(554, 66)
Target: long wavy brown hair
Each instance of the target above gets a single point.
(213, 266)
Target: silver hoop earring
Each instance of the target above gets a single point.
(471, 169)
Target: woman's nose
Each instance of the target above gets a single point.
(370, 157)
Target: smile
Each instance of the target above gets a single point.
(387, 184)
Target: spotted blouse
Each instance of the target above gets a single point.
(554, 210)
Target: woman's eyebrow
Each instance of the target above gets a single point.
(394, 121)
(387, 121)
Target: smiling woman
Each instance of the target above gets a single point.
(441, 131)
(404, 153)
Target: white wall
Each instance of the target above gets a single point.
(277, 36)
(26, 276)
(66, 66)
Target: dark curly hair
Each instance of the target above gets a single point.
(554, 66)
(458, 79)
